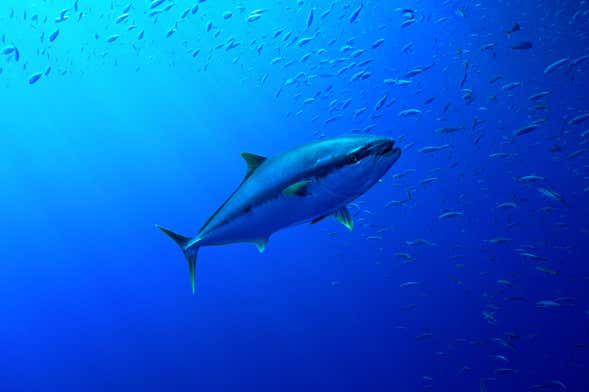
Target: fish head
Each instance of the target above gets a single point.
(355, 163)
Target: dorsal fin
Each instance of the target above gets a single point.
(253, 161)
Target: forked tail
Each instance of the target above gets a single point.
(189, 248)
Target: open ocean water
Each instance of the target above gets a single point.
(467, 269)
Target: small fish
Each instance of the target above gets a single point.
(579, 60)
(121, 18)
(530, 178)
(551, 194)
(515, 27)
(488, 46)
(62, 16)
(428, 180)
(408, 22)
(525, 129)
(409, 112)
(510, 86)
(255, 15)
(545, 304)
(377, 43)
(547, 270)
(408, 284)
(430, 149)
(448, 129)
(155, 3)
(532, 256)
(380, 103)
(310, 18)
(355, 14)
(54, 35)
(8, 50)
(171, 31)
(404, 256)
(305, 40)
(414, 72)
(507, 205)
(112, 38)
(450, 214)
(504, 371)
(407, 47)
(35, 77)
(398, 82)
(515, 299)
(557, 64)
(524, 45)
(498, 240)
(578, 119)
(500, 155)
(419, 241)
(540, 95)
(576, 153)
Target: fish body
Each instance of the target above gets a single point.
(525, 129)
(112, 38)
(355, 14)
(530, 178)
(409, 112)
(539, 95)
(557, 64)
(549, 193)
(430, 149)
(578, 119)
(448, 129)
(155, 3)
(53, 35)
(524, 45)
(304, 184)
(35, 77)
(449, 214)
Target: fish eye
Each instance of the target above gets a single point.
(352, 158)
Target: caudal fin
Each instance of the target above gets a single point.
(190, 251)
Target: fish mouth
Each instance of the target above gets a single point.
(387, 149)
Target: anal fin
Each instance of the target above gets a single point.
(344, 217)
(261, 243)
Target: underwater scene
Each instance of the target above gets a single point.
(294, 195)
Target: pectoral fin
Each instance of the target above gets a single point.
(297, 189)
(344, 217)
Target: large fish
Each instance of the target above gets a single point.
(304, 184)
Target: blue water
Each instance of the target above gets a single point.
(121, 135)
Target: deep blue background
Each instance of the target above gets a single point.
(123, 135)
